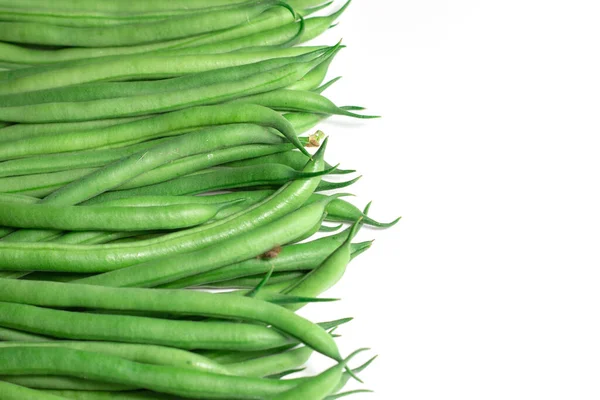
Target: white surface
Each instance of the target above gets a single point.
(489, 287)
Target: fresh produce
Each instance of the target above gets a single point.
(161, 190)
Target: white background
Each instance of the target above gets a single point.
(489, 286)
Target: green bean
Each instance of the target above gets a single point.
(211, 180)
(340, 395)
(145, 66)
(119, 7)
(52, 294)
(297, 100)
(160, 101)
(62, 382)
(141, 330)
(40, 185)
(326, 86)
(291, 158)
(319, 387)
(73, 18)
(127, 168)
(170, 380)
(14, 392)
(297, 257)
(20, 131)
(82, 218)
(148, 354)
(97, 158)
(134, 33)
(240, 248)
(106, 90)
(172, 123)
(287, 199)
(252, 281)
(96, 395)
(303, 4)
(269, 365)
(18, 336)
(286, 35)
(327, 274)
(312, 79)
(340, 210)
(72, 160)
(191, 164)
(304, 122)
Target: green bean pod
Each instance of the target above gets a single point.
(104, 368)
(82, 218)
(319, 387)
(143, 104)
(13, 335)
(135, 33)
(239, 248)
(213, 179)
(296, 257)
(119, 7)
(299, 101)
(106, 90)
(148, 354)
(21, 131)
(15, 392)
(72, 160)
(142, 330)
(47, 382)
(172, 123)
(52, 294)
(144, 66)
(262, 367)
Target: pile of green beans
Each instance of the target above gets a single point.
(165, 200)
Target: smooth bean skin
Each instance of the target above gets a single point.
(135, 33)
(212, 179)
(142, 330)
(71, 161)
(13, 335)
(119, 7)
(265, 366)
(39, 185)
(318, 387)
(105, 368)
(107, 90)
(301, 122)
(42, 256)
(270, 19)
(68, 295)
(298, 100)
(145, 66)
(169, 124)
(244, 246)
(14, 392)
(21, 131)
(97, 395)
(152, 103)
(121, 171)
(192, 164)
(149, 354)
(296, 257)
(44, 382)
(82, 218)
(327, 274)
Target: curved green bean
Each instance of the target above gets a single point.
(144, 66)
(15, 392)
(52, 294)
(143, 104)
(149, 354)
(171, 380)
(134, 33)
(142, 330)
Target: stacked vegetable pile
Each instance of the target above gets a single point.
(148, 147)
